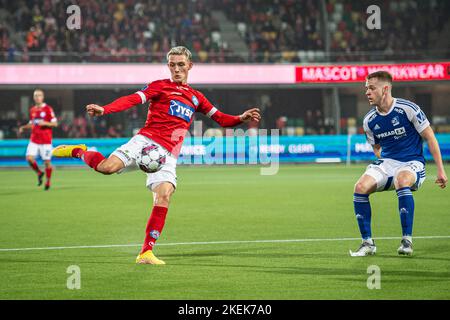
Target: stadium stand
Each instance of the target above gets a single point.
(272, 31)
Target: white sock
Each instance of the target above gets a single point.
(369, 240)
(409, 238)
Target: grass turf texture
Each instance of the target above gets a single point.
(217, 204)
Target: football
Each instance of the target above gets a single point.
(151, 158)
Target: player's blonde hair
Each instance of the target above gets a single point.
(180, 50)
(38, 90)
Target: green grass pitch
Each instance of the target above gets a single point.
(231, 204)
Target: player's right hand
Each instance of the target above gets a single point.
(441, 180)
(94, 110)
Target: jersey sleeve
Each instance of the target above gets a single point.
(205, 106)
(51, 117)
(417, 118)
(150, 91)
(223, 119)
(370, 137)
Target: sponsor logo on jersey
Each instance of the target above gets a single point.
(396, 132)
(42, 114)
(195, 101)
(181, 110)
(399, 110)
(395, 121)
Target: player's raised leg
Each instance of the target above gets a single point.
(161, 200)
(363, 212)
(403, 181)
(93, 159)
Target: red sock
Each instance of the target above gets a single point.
(154, 227)
(35, 167)
(48, 175)
(91, 158)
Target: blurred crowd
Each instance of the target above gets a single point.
(406, 30)
(113, 31)
(274, 31)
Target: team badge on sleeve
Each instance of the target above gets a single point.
(421, 117)
(195, 100)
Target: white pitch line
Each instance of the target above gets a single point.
(215, 242)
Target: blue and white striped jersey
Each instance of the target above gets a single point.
(398, 131)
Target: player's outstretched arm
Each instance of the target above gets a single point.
(120, 104)
(226, 120)
(433, 146)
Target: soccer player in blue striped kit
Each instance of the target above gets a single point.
(396, 129)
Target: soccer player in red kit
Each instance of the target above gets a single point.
(170, 114)
(42, 122)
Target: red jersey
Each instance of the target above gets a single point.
(41, 135)
(171, 109)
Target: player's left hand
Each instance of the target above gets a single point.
(441, 180)
(251, 114)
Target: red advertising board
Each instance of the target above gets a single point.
(358, 73)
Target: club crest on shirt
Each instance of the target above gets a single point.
(42, 114)
(395, 121)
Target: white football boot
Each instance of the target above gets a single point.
(365, 249)
(405, 248)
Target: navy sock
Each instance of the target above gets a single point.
(406, 210)
(363, 214)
